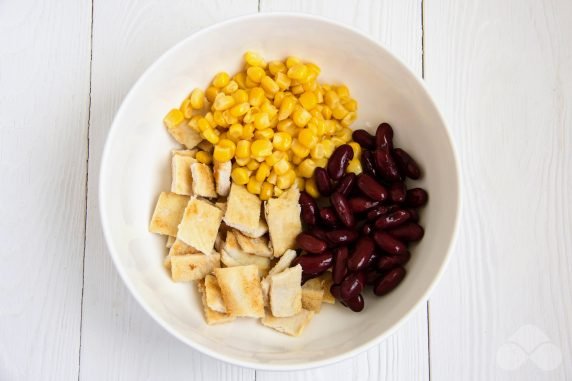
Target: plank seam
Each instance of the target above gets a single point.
(86, 193)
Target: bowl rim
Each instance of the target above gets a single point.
(220, 356)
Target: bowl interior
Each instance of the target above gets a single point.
(136, 167)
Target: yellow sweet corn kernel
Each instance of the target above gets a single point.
(252, 165)
(296, 160)
(314, 68)
(301, 117)
(330, 127)
(310, 85)
(275, 67)
(329, 147)
(242, 149)
(255, 73)
(320, 96)
(259, 159)
(327, 112)
(349, 119)
(267, 133)
(288, 127)
(274, 158)
(193, 123)
(282, 141)
(354, 166)
(300, 182)
(308, 100)
(325, 87)
(350, 104)
(221, 80)
(287, 107)
(240, 109)
(298, 72)
(318, 151)
(311, 187)
(282, 81)
(337, 141)
(256, 96)
(210, 135)
(306, 168)
(281, 167)
(223, 102)
(211, 93)
(278, 192)
(224, 150)
(299, 149)
(249, 83)
(229, 119)
(278, 98)
(273, 121)
(240, 79)
(266, 191)
(269, 109)
(210, 118)
(308, 138)
(291, 61)
(331, 98)
(235, 132)
(268, 84)
(253, 186)
(203, 124)
(261, 121)
(342, 91)
(345, 134)
(248, 131)
(322, 163)
(219, 119)
(240, 96)
(240, 176)
(261, 147)
(173, 118)
(242, 161)
(249, 116)
(262, 172)
(339, 112)
(204, 157)
(186, 108)
(356, 148)
(272, 177)
(286, 180)
(254, 59)
(297, 89)
(197, 99)
(320, 126)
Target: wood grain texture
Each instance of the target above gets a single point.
(502, 74)
(44, 96)
(119, 340)
(397, 25)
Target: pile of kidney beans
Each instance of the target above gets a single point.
(364, 232)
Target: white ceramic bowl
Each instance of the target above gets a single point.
(135, 168)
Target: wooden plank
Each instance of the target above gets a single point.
(119, 340)
(397, 25)
(502, 74)
(44, 97)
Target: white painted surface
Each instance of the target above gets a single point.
(501, 73)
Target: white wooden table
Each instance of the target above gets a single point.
(501, 71)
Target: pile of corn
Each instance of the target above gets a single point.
(274, 121)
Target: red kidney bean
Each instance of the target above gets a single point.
(368, 163)
(389, 244)
(346, 184)
(389, 262)
(397, 192)
(374, 214)
(367, 229)
(384, 137)
(352, 285)
(371, 188)
(328, 216)
(406, 163)
(355, 304)
(414, 214)
(389, 281)
(362, 254)
(416, 197)
(335, 291)
(342, 208)
(386, 166)
(342, 236)
(340, 268)
(308, 209)
(371, 275)
(408, 232)
(361, 204)
(314, 263)
(339, 161)
(372, 261)
(392, 220)
(323, 181)
(364, 139)
(318, 233)
(311, 244)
